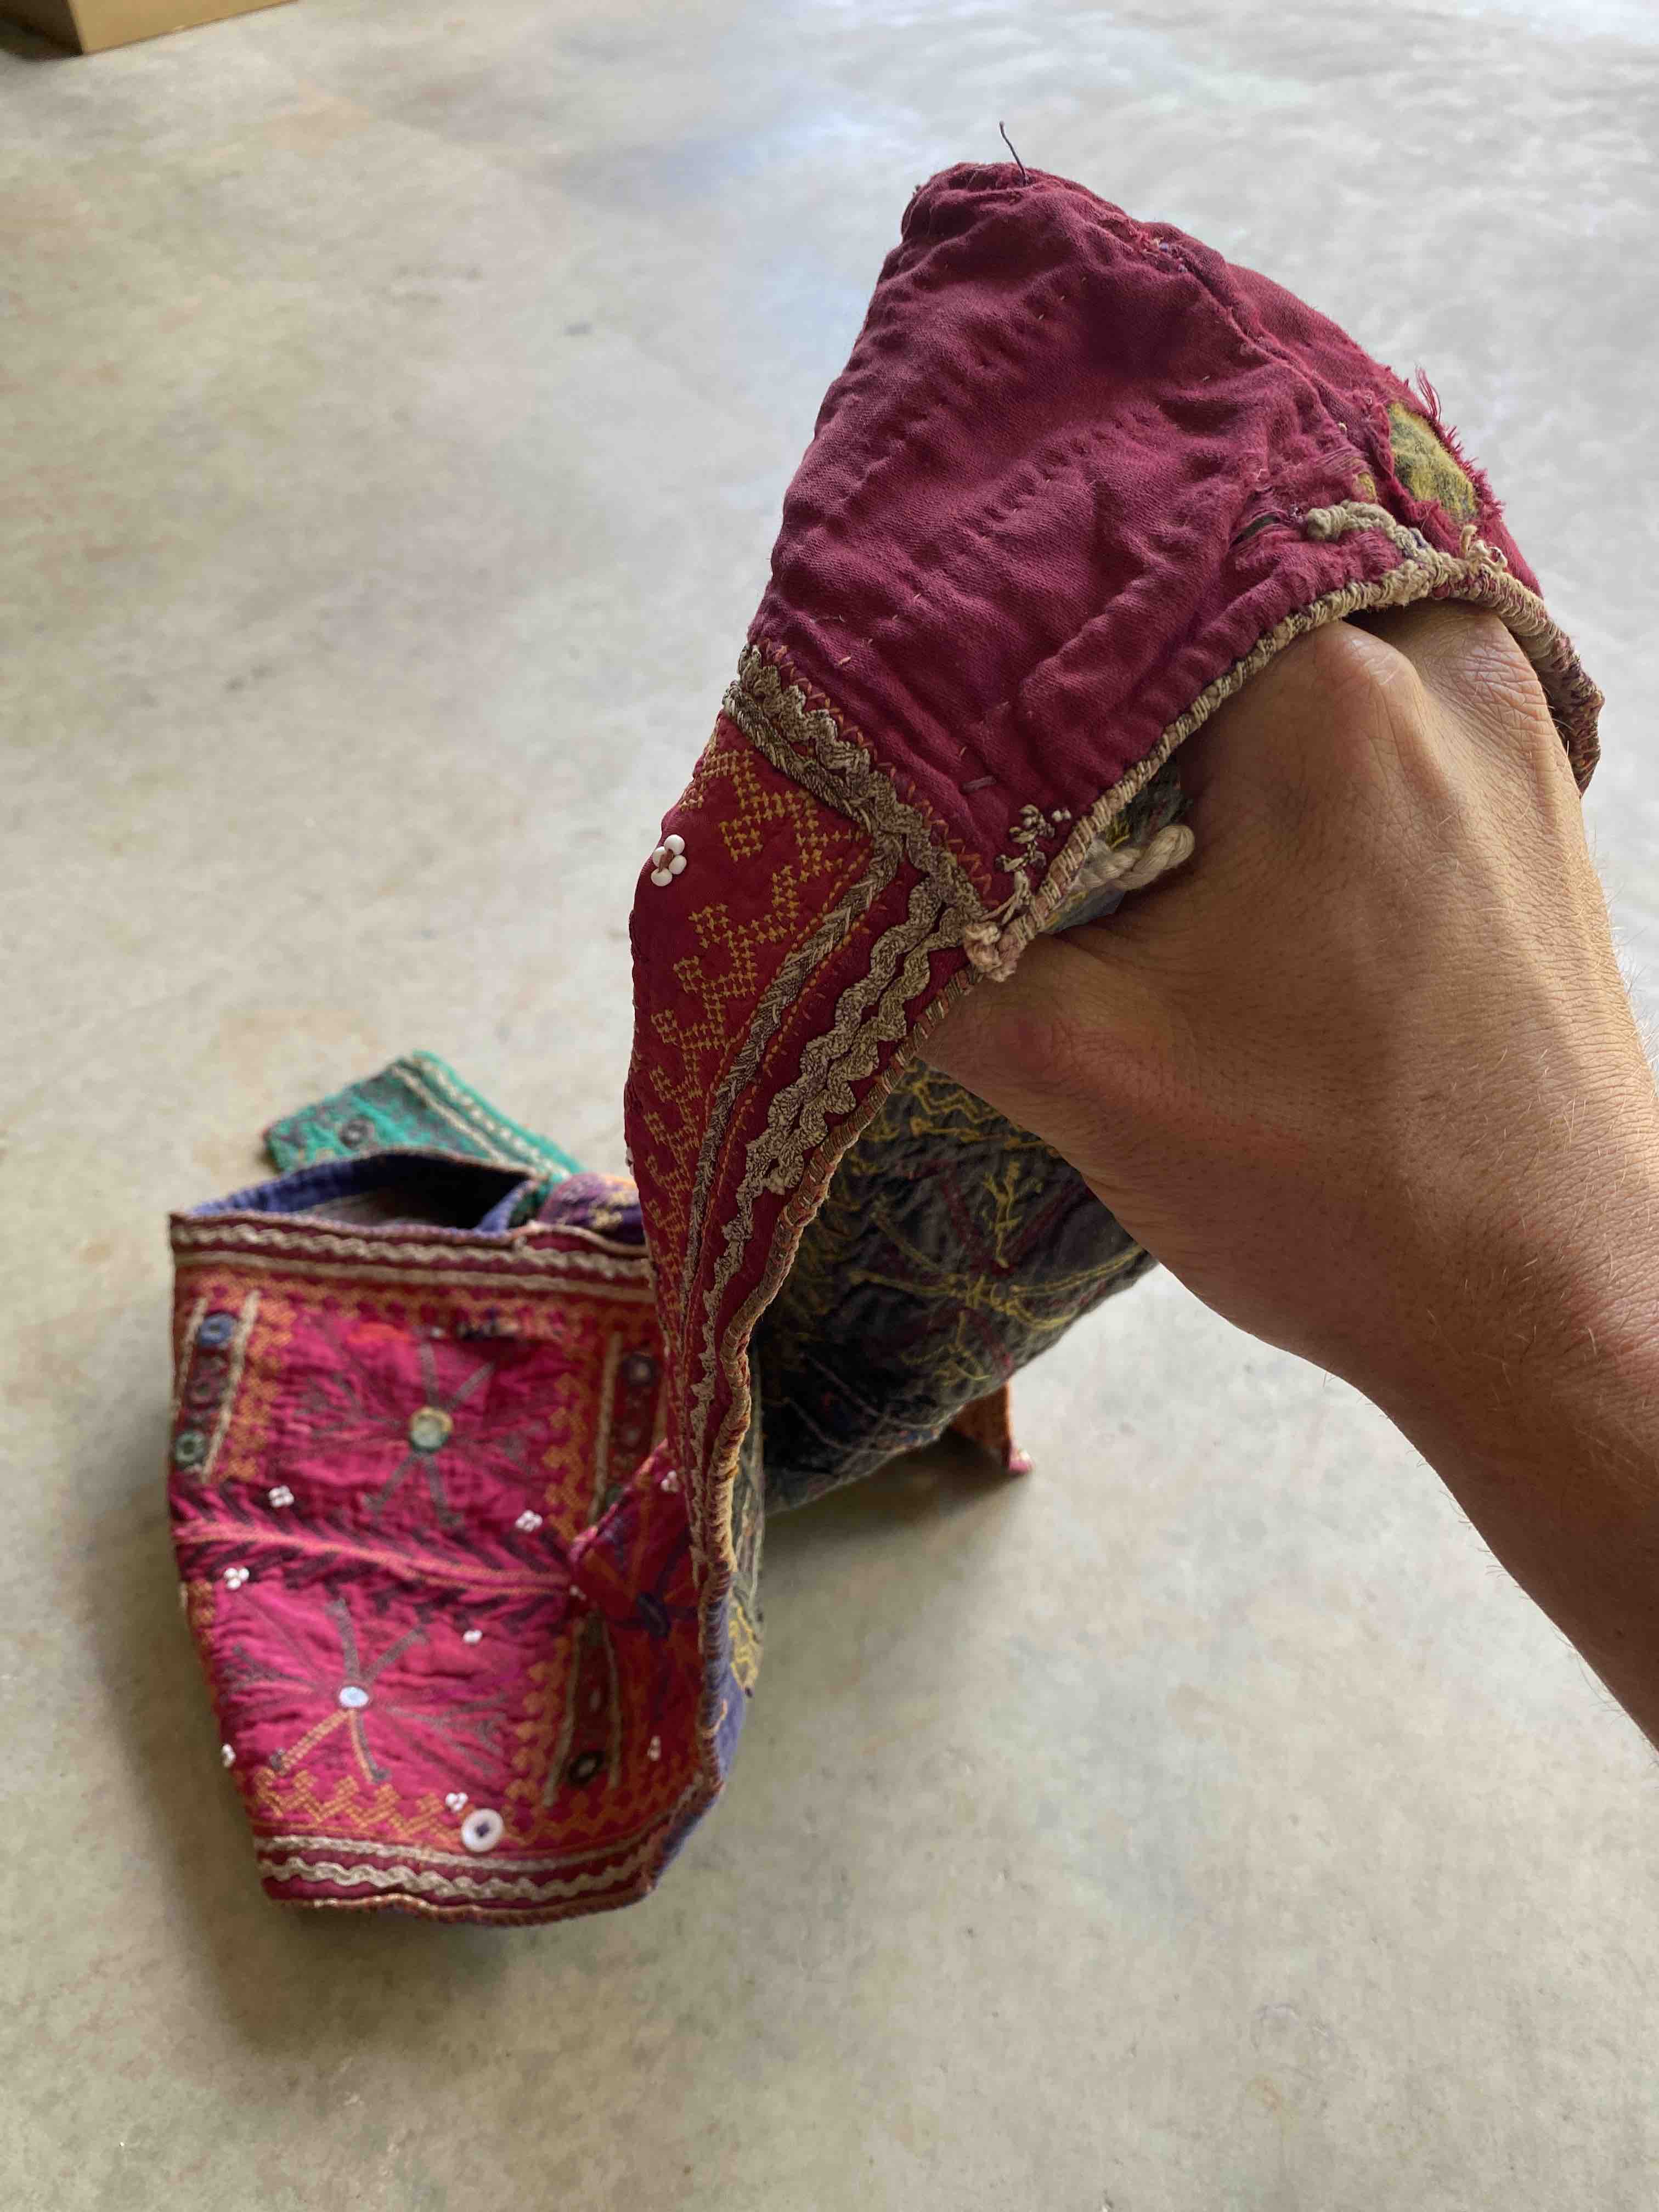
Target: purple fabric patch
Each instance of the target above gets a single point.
(607, 1205)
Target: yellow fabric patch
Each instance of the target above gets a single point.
(1425, 468)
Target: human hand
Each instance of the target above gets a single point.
(1362, 1072)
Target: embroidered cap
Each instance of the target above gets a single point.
(472, 1450)
(1080, 480)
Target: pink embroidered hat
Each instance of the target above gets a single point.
(471, 1454)
(1080, 480)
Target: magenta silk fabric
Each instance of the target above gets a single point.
(1011, 554)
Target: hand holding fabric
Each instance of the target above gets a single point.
(1365, 1076)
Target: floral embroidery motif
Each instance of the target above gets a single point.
(951, 1248)
(372, 1398)
(354, 1701)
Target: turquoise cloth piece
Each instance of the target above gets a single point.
(418, 1104)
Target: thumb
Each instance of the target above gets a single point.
(1072, 1048)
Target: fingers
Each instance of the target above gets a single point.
(1226, 749)
(1082, 1040)
(1465, 658)
(1469, 662)
(1270, 737)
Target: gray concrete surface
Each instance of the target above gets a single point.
(397, 404)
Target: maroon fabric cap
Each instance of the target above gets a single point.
(1079, 472)
(1080, 479)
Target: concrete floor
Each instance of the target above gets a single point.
(398, 403)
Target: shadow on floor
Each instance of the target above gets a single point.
(32, 45)
(937, 1482)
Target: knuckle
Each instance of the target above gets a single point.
(1489, 675)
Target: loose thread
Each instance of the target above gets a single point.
(1023, 176)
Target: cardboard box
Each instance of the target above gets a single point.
(89, 26)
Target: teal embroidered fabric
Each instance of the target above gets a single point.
(418, 1103)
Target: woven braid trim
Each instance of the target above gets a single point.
(426, 1881)
(1481, 576)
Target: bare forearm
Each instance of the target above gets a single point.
(1383, 1003)
(1544, 1423)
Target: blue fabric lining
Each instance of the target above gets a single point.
(302, 1189)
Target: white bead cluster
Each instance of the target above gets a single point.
(528, 1520)
(281, 1494)
(234, 1577)
(456, 1800)
(472, 1635)
(668, 860)
(670, 1481)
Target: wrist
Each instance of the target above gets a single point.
(1533, 1318)
(1539, 1412)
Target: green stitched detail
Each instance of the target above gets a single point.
(1425, 468)
(417, 1104)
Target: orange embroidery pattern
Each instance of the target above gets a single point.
(800, 858)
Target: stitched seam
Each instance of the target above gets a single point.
(237, 1361)
(1418, 577)
(446, 1093)
(787, 1234)
(793, 1123)
(201, 1532)
(346, 1272)
(972, 876)
(426, 1855)
(858, 888)
(194, 1242)
(952, 550)
(428, 1881)
(790, 1158)
(477, 1915)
